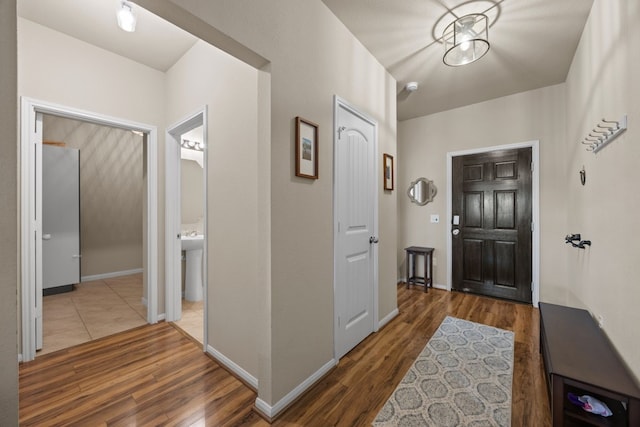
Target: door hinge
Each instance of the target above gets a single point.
(338, 321)
(532, 166)
(532, 225)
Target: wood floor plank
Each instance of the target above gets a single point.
(155, 376)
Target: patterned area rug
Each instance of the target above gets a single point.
(462, 378)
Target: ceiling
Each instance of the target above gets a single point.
(532, 45)
(155, 43)
(532, 42)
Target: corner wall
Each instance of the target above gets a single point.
(423, 146)
(206, 76)
(8, 216)
(602, 82)
(312, 58)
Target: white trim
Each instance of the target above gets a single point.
(293, 395)
(173, 226)
(535, 210)
(19, 357)
(161, 317)
(110, 275)
(233, 367)
(29, 225)
(388, 318)
(338, 103)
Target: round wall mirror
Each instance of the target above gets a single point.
(422, 191)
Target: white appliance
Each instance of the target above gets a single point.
(60, 218)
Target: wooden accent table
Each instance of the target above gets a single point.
(579, 358)
(427, 279)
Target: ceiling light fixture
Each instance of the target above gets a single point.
(126, 17)
(466, 39)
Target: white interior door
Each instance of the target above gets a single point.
(356, 233)
(60, 216)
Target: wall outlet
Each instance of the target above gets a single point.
(435, 219)
(600, 320)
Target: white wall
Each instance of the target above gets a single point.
(8, 216)
(229, 88)
(424, 143)
(603, 82)
(56, 68)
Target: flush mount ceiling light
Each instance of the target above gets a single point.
(466, 40)
(126, 17)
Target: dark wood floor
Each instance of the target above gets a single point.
(154, 375)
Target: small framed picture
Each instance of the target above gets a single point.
(306, 149)
(387, 171)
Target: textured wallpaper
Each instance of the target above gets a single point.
(111, 191)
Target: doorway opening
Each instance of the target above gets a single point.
(185, 218)
(33, 235)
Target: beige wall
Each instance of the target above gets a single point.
(8, 216)
(191, 193)
(110, 192)
(312, 57)
(424, 143)
(603, 82)
(205, 76)
(84, 77)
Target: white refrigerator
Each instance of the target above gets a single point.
(60, 218)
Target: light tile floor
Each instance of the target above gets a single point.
(100, 308)
(191, 321)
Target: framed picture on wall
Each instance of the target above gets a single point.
(387, 171)
(306, 149)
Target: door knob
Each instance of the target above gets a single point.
(456, 231)
(373, 239)
(46, 236)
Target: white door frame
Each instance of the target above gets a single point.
(31, 252)
(535, 208)
(173, 245)
(337, 104)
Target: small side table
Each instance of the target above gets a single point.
(412, 252)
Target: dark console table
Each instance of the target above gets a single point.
(579, 358)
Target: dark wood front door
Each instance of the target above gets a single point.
(492, 240)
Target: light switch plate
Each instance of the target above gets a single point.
(435, 219)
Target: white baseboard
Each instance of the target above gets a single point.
(233, 367)
(386, 319)
(19, 357)
(272, 411)
(161, 316)
(110, 275)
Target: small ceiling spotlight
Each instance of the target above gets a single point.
(411, 86)
(126, 17)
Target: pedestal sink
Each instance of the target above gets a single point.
(193, 245)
